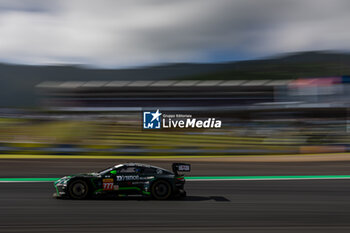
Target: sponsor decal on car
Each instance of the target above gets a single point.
(146, 178)
(126, 178)
(107, 184)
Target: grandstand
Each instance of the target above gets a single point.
(169, 94)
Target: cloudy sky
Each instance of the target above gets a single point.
(118, 33)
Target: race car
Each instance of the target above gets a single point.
(126, 179)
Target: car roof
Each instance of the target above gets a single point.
(133, 164)
(140, 165)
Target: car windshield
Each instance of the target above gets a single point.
(104, 171)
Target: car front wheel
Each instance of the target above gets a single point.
(78, 189)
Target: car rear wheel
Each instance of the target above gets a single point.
(78, 189)
(161, 190)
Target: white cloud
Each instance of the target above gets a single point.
(111, 33)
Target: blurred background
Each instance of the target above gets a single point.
(75, 77)
(280, 105)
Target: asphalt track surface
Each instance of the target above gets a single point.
(211, 206)
(217, 206)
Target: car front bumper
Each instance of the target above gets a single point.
(61, 191)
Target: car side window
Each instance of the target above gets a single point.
(149, 171)
(128, 169)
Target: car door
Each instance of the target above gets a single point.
(127, 180)
(108, 180)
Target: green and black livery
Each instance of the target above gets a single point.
(125, 179)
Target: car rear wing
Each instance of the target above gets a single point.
(181, 167)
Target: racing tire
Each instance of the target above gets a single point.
(161, 190)
(78, 189)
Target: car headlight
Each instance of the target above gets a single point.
(62, 181)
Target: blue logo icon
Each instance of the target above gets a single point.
(151, 120)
